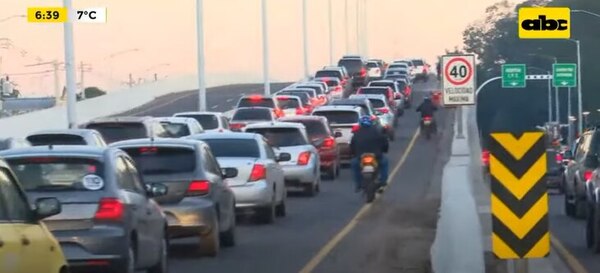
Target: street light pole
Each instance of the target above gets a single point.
(305, 37)
(365, 29)
(579, 94)
(200, 55)
(346, 28)
(265, 33)
(549, 98)
(557, 100)
(330, 33)
(569, 111)
(358, 27)
(70, 65)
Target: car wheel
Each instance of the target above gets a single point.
(266, 215)
(280, 210)
(330, 173)
(589, 229)
(581, 208)
(392, 135)
(311, 189)
(210, 243)
(596, 230)
(569, 208)
(129, 263)
(162, 266)
(228, 237)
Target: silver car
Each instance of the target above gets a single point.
(210, 121)
(343, 119)
(180, 126)
(303, 170)
(109, 220)
(248, 115)
(259, 185)
(198, 203)
(88, 137)
(383, 111)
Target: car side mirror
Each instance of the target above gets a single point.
(229, 172)
(46, 207)
(156, 190)
(337, 134)
(318, 142)
(282, 157)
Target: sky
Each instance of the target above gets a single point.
(159, 37)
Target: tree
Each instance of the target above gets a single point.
(92, 92)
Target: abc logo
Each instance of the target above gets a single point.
(544, 23)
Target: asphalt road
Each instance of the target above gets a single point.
(392, 235)
(571, 234)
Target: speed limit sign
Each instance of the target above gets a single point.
(458, 79)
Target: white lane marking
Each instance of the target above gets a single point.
(214, 106)
(230, 100)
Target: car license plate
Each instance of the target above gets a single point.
(427, 122)
(368, 169)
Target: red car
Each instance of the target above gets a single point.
(323, 139)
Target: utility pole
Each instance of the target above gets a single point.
(305, 38)
(83, 67)
(70, 65)
(200, 55)
(131, 82)
(56, 67)
(347, 30)
(265, 45)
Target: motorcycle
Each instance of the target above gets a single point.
(370, 174)
(427, 124)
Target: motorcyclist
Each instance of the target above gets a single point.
(369, 139)
(427, 109)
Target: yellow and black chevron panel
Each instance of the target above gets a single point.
(519, 201)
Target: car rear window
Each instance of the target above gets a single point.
(362, 105)
(372, 65)
(288, 103)
(338, 117)
(377, 103)
(252, 114)
(317, 89)
(256, 102)
(328, 73)
(163, 160)
(55, 139)
(58, 173)
(374, 91)
(331, 83)
(396, 72)
(304, 97)
(176, 129)
(418, 62)
(352, 65)
(208, 122)
(314, 128)
(233, 147)
(281, 137)
(310, 92)
(383, 84)
(117, 131)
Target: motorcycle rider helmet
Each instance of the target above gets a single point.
(427, 98)
(366, 121)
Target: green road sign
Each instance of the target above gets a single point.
(513, 75)
(565, 75)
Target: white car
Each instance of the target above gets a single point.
(374, 70)
(321, 89)
(343, 119)
(383, 111)
(85, 137)
(412, 72)
(259, 184)
(211, 122)
(291, 105)
(421, 68)
(180, 126)
(303, 170)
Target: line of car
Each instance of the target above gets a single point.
(114, 193)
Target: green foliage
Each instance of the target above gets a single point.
(92, 92)
(495, 40)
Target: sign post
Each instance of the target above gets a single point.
(565, 75)
(458, 84)
(513, 76)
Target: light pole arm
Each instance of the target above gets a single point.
(486, 83)
(585, 12)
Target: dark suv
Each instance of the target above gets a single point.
(115, 129)
(357, 69)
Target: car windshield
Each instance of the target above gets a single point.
(57, 173)
(117, 131)
(233, 147)
(56, 139)
(372, 65)
(304, 97)
(163, 160)
(281, 137)
(352, 65)
(328, 73)
(377, 103)
(418, 62)
(338, 117)
(4, 144)
(176, 129)
(257, 102)
(252, 114)
(288, 103)
(208, 122)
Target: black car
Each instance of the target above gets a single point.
(357, 69)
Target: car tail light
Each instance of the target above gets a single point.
(558, 158)
(338, 89)
(384, 110)
(236, 126)
(355, 128)
(373, 117)
(587, 175)
(256, 97)
(328, 143)
(427, 118)
(109, 209)
(299, 111)
(407, 90)
(363, 72)
(397, 96)
(198, 187)
(258, 172)
(278, 113)
(485, 157)
(303, 158)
